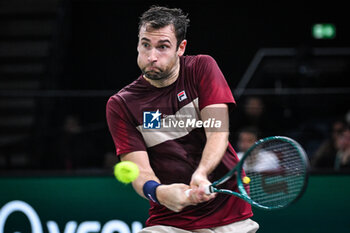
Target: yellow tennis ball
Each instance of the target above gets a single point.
(246, 180)
(126, 171)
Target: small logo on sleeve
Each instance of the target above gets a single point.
(151, 120)
(181, 96)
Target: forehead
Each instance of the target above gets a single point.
(167, 32)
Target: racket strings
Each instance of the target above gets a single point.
(277, 173)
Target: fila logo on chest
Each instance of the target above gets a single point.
(181, 96)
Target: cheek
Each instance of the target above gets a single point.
(171, 59)
(140, 62)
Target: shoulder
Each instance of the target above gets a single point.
(129, 92)
(122, 95)
(113, 104)
(205, 58)
(200, 63)
(198, 59)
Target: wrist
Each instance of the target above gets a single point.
(201, 171)
(159, 193)
(150, 190)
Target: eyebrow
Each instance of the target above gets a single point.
(159, 42)
(146, 39)
(164, 41)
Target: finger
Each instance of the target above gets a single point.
(205, 189)
(191, 196)
(196, 196)
(203, 196)
(176, 209)
(200, 196)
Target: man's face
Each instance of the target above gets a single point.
(157, 52)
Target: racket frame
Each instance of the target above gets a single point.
(238, 170)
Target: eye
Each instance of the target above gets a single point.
(145, 45)
(163, 47)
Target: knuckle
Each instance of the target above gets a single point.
(182, 203)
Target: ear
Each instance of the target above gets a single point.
(182, 48)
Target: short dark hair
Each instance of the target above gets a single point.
(159, 17)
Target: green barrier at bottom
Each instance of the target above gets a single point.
(102, 205)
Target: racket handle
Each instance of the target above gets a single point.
(207, 191)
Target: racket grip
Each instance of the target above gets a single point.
(207, 191)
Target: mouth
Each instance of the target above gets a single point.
(153, 73)
(153, 69)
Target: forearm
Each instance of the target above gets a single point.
(141, 180)
(172, 196)
(217, 138)
(146, 172)
(213, 152)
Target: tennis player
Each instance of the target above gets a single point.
(145, 118)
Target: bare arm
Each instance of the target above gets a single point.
(146, 172)
(217, 138)
(214, 150)
(172, 196)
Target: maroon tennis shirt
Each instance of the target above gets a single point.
(141, 118)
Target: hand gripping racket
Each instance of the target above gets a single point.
(271, 175)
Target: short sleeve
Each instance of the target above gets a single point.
(124, 133)
(212, 85)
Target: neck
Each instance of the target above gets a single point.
(168, 80)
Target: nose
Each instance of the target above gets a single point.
(152, 56)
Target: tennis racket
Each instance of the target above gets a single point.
(272, 174)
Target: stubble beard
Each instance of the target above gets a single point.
(158, 74)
